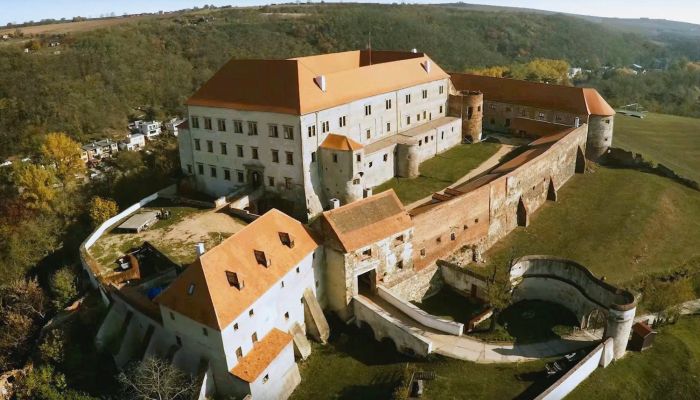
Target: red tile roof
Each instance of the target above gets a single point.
(264, 352)
(340, 142)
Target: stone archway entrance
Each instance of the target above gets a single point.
(580, 161)
(254, 175)
(551, 191)
(522, 214)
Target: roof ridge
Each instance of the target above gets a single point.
(208, 294)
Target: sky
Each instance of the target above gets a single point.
(18, 11)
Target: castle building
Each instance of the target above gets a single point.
(234, 308)
(317, 128)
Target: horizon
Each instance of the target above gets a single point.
(36, 10)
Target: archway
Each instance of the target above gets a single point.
(522, 214)
(255, 179)
(595, 320)
(580, 161)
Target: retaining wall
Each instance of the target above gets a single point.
(431, 321)
(385, 326)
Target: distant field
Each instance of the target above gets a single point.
(440, 172)
(669, 370)
(70, 27)
(666, 139)
(620, 223)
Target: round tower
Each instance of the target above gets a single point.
(600, 134)
(619, 327)
(472, 115)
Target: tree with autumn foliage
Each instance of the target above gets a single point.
(63, 153)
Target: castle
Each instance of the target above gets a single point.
(319, 133)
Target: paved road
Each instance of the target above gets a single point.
(483, 167)
(470, 349)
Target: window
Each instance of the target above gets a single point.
(275, 156)
(425, 93)
(541, 115)
(197, 145)
(212, 171)
(224, 150)
(398, 240)
(368, 133)
(251, 313)
(356, 181)
(358, 157)
(420, 142)
(286, 315)
(189, 169)
(408, 120)
(508, 109)
(399, 264)
(313, 156)
(607, 121)
(408, 98)
(254, 153)
(440, 109)
(453, 236)
(252, 128)
(178, 340)
(200, 169)
(210, 146)
(288, 132)
(367, 253)
(341, 121)
(288, 183)
(388, 126)
(422, 252)
(235, 326)
(369, 165)
(271, 181)
(274, 131)
(207, 123)
(290, 158)
(241, 176)
(507, 122)
(195, 122)
(205, 332)
(424, 114)
(237, 126)
(298, 270)
(190, 289)
(493, 106)
(312, 131)
(335, 158)
(282, 284)
(441, 89)
(387, 103)
(266, 378)
(417, 117)
(239, 150)
(325, 126)
(221, 125)
(254, 337)
(239, 353)
(470, 111)
(227, 174)
(368, 109)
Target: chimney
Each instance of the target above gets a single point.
(577, 122)
(199, 248)
(426, 66)
(414, 50)
(335, 203)
(321, 82)
(368, 193)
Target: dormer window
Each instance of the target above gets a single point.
(287, 239)
(234, 280)
(190, 289)
(261, 258)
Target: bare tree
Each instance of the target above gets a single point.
(499, 290)
(156, 379)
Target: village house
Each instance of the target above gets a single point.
(171, 126)
(98, 150)
(133, 141)
(149, 129)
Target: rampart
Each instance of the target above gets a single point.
(481, 211)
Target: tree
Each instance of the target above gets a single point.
(63, 287)
(129, 160)
(63, 152)
(499, 291)
(22, 308)
(101, 210)
(44, 383)
(156, 379)
(36, 185)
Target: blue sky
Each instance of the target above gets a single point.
(25, 10)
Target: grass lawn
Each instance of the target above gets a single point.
(448, 304)
(355, 366)
(667, 139)
(619, 223)
(669, 370)
(440, 171)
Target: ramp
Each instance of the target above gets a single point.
(316, 323)
(302, 347)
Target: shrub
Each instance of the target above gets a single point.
(63, 287)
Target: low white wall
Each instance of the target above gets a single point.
(384, 325)
(570, 380)
(431, 321)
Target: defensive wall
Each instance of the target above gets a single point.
(481, 211)
(573, 286)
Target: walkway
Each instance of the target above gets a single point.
(483, 167)
(470, 349)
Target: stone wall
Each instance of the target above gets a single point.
(462, 280)
(418, 285)
(623, 158)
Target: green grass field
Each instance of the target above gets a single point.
(355, 366)
(667, 139)
(669, 370)
(620, 223)
(440, 171)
